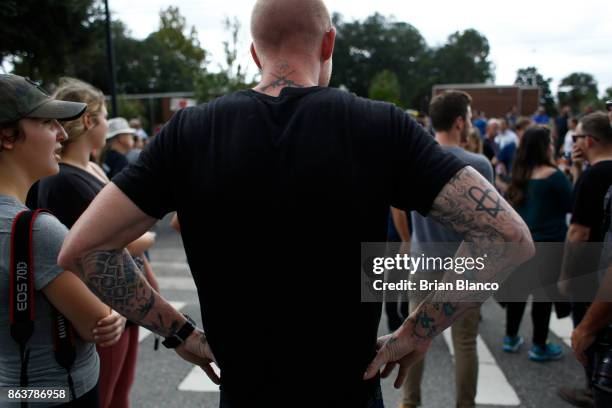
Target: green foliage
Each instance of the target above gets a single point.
(131, 108)
(173, 54)
(385, 87)
(531, 77)
(578, 90)
(168, 60)
(367, 48)
(231, 76)
(364, 49)
(463, 59)
(40, 37)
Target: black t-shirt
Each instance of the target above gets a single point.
(589, 196)
(274, 196)
(114, 162)
(68, 193)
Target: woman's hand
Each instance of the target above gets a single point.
(109, 330)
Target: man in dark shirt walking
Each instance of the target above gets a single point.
(277, 166)
(592, 143)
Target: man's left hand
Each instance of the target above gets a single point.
(399, 348)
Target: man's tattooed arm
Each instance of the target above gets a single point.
(115, 278)
(469, 205)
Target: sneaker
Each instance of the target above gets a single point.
(549, 352)
(578, 397)
(513, 344)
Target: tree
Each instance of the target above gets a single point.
(172, 55)
(385, 87)
(230, 77)
(608, 94)
(578, 90)
(531, 77)
(41, 37)
(364, 49)
(463, 59)
(132, 108)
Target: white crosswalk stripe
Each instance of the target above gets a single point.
(493, 386)
(176, 283)
(562, 328)
(198, 381)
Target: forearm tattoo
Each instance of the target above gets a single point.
(470, 206)
(114, 277)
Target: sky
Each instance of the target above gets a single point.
(558, 37)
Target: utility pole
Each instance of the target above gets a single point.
(111, 62)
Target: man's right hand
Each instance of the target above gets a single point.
(577, 156)
(196, 350)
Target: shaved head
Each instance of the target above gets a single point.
(295, 26)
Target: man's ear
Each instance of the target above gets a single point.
(255, 56)
(459, 123)
(327, 45)
(589, 141)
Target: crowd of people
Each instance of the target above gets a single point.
(548, 170)
(258, 177)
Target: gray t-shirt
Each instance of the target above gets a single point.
(43, 370)
(426, 230)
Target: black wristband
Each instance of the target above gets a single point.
(178, 338)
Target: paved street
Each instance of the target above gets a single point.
(164, 380)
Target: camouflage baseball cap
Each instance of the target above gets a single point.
(21, 98)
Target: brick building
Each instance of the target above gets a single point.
(496, 100)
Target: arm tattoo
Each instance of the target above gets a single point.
(470, 206)
(486, 200)
(114, 277)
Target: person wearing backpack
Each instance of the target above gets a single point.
(36, 295)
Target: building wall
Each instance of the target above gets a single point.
(495, 101)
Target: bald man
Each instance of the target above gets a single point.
(275, 188)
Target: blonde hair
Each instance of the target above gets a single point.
(74, 90)
(474, 141)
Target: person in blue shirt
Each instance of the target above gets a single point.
(540, 117)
